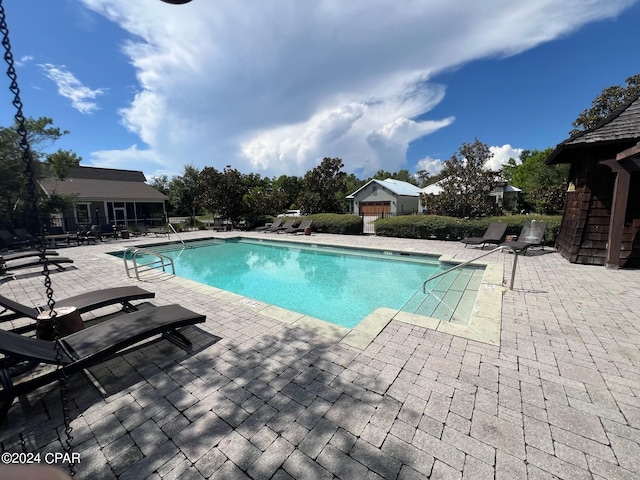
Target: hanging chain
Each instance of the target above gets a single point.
(34, 224)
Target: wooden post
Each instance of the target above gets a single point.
(618, 212)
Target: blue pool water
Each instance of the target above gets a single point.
(341, 286)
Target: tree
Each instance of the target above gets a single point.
(266, 201)
(224, 192)
(291, 186)
(61, 162)
(403, 175)
(184, 192)
(465, 185)
(604, 104)
(323, 188)
(161, 184)
(422, 178)
(14, 197)
(543, 186)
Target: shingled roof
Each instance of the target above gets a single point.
(617, 132)
(103, 184)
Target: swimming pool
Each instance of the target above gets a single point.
(339, 285)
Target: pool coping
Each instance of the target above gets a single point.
(484, 324)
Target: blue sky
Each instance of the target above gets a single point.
(272, 87)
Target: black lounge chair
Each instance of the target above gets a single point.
(300, 228)
(493, 235)
(217, 225)
(87, 347)
(85, 302)
(30, 261)
(26, 254)
(284, 226)
(12, 241)
(25, 236)
(531, 235)
(276, 224)
(107, 230)
(89, 235)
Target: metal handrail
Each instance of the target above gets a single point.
(150, 266)
(513, 270)
(174, 231)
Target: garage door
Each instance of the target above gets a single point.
(374, 208)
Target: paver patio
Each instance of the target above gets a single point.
(559, 397)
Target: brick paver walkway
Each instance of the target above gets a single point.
(257, 398)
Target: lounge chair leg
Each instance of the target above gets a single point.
(7, 385)
(4, 410)
(128, 307)
(177, 338)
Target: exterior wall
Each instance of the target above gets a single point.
(584, 232)
(407, 205)
(585, 224)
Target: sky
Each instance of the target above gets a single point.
(274, 86)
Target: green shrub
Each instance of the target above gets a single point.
(341, 224)
(451, 228)
(262, 220)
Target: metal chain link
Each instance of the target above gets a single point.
(34, 224)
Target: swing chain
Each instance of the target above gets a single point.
(34, 224)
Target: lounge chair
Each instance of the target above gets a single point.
(217, 225)
(26, 237)
(531, 235)
(26, 254)
(12, 241)
(87, 347)
(284, 226)
(493, 235)
(30, 261)
(89, 235)
(85, 302)
(300, 228)
(276, 224)
(108, 231)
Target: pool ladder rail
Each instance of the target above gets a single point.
(460, 265)
(163, 262)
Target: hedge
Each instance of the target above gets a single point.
(450, 228)
(341, 224)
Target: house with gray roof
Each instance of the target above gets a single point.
(506, 196)
(385, 198)
(601, 221)
(107, 196)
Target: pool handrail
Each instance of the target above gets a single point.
(176, 233)
(146, 251)
(513, 270)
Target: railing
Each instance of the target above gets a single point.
(460, 265)
(163, 261)
(176, 233)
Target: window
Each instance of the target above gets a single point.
(82, 213)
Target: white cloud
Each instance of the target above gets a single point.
(70, 87)
(132, 158)
(431, 165)
(501, 156)
(24, 60)
(274, 86)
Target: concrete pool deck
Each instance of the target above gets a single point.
(259, 397)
